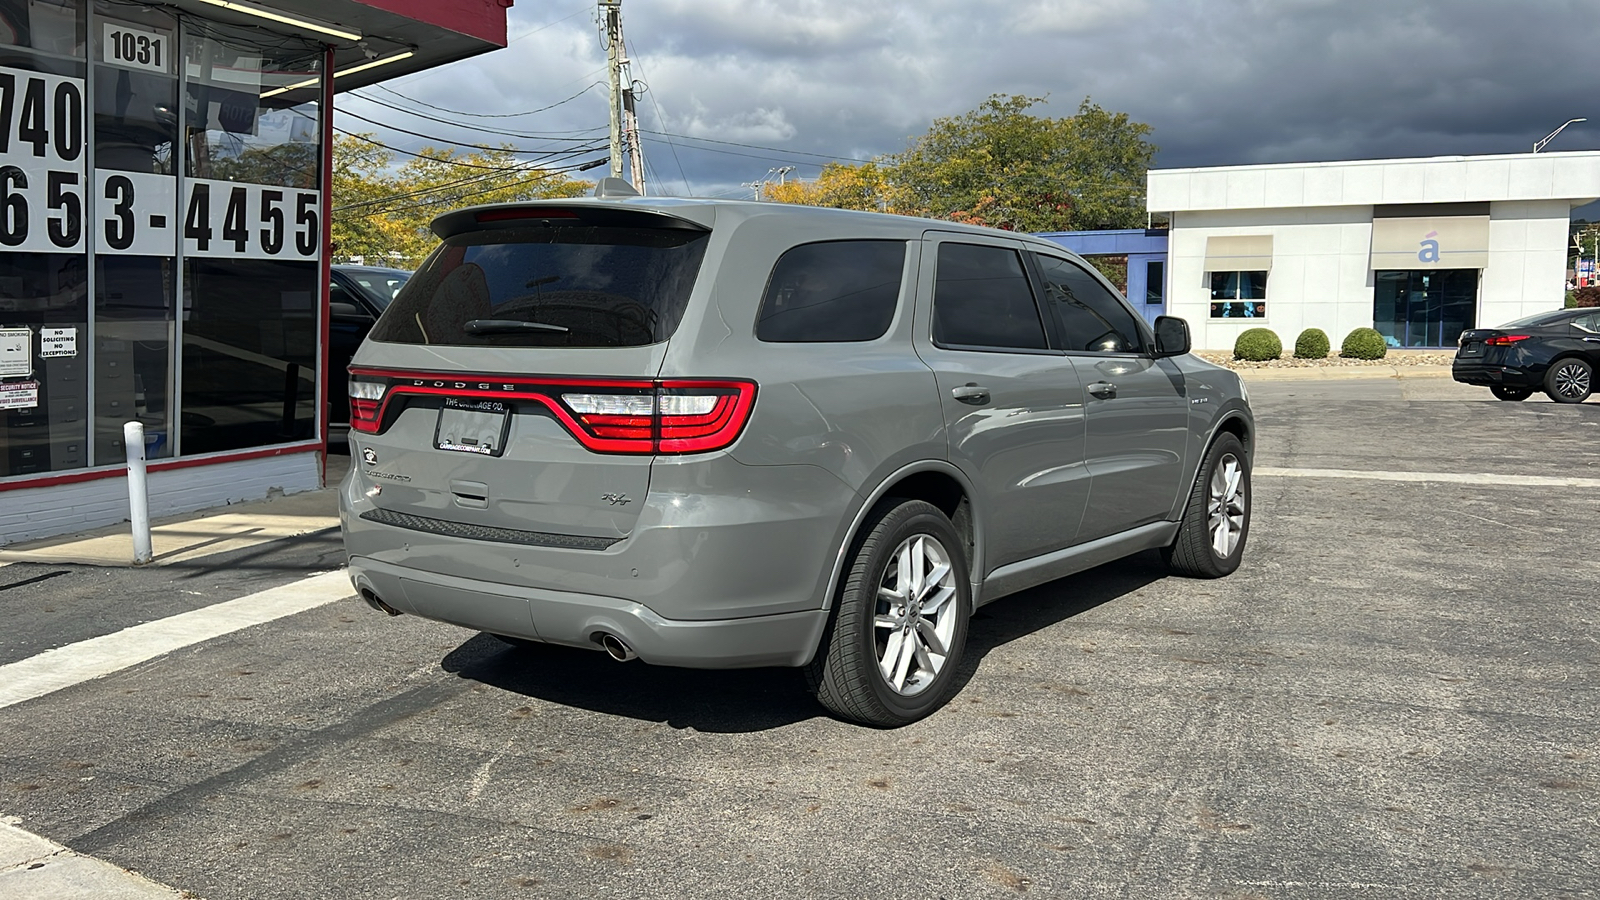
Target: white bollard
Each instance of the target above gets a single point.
(138, 492)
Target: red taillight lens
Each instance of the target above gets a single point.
(366, 404)
(1502, 340)
(621, 416)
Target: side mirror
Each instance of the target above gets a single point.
(347, 311)
(1172, 336)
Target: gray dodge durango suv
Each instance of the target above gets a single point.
(724, 434)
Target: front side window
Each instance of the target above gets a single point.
(1091, 317)
(549, 286)
(1238, 295)
(832, 291)
(981, 298)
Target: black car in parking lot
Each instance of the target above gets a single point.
(1555, 352)
(357, 296)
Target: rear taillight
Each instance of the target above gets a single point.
(613, 416)
(1502, 340)
(366, 404)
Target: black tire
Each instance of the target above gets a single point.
(1507, 392)
(1569, 380)
(1192, 552)
(846, 674)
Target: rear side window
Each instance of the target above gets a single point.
(1091, 317)
(981, 298)
(832, 291)
(549, 286)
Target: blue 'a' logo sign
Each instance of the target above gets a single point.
(1430, 248)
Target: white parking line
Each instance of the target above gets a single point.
(73, 664)
(1446, 477)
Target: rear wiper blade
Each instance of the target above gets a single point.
(508, 326)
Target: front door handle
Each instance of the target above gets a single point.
(1103, 389)
(971, 393)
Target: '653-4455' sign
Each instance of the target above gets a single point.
(45, 196)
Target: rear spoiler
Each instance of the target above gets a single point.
(632, 213)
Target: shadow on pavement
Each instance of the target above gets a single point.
(747, 700)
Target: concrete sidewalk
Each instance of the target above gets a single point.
(193, 535)
(33, 868)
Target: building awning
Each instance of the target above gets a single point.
(1239, 253)
(1432, 242)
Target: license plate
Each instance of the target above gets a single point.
(1472, 349)
(473, 426)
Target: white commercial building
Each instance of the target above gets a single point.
(1420, 249)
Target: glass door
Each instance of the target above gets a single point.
(1424, 308)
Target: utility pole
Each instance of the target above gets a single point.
(624, 122)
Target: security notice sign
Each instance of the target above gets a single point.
(19, 394)
(41, 162)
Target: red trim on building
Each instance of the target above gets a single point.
(187, 462)
(482, 19)
(325, 320)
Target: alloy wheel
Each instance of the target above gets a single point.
(1225, 506)
(1572, 380)
(915, 621)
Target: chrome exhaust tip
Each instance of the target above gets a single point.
(616, 648)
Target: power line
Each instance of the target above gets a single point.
(543, 151)
(534, 135)
(453, 162)
(687, 190)
(481, 115)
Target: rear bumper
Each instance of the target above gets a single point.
(578, 620)
(1489, 375)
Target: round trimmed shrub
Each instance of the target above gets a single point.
(1311, 344)
(1364, 343)
(1257, 345)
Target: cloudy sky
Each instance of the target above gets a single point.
(1220, 81)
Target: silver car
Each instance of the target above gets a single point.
(723, 434)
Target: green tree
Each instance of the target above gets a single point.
(382, 212)
(1002, 166)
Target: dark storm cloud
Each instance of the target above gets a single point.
(1221, 81)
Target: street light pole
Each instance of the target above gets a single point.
(1539, 144)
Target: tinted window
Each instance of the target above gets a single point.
(1589, 323)
(548, 286)
(1538, 319)
(1090, 315)
(379, 285)
(832, 291)
(982, 299)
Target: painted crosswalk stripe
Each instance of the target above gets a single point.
(1435, 477)
(73, 664)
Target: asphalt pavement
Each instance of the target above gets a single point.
(1394, 696)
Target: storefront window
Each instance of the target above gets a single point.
(252, 238)
(197, 230)
(53, 27)
(1238, 295)
(1424, 308)
(44, 393)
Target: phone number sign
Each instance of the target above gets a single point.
(44, 192)
(41, 162)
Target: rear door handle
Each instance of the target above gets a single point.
(1103, 389)
(971, 393)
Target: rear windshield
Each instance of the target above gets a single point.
(1544, 318)
(548, 286)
